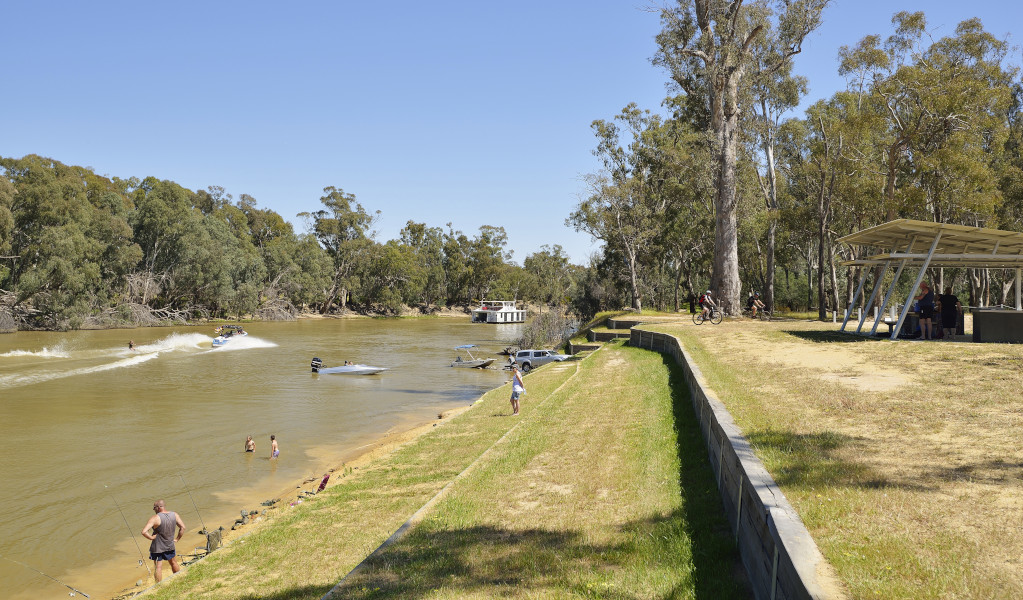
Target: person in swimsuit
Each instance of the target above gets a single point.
(160, 529)
(131, 344)
(250, 444)
(274, 450)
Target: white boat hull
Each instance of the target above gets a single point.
(352, 370)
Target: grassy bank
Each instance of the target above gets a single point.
(905, 459)
(600, 488)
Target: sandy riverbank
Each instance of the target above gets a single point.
(111, 581)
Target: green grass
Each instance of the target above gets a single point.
(600, 489)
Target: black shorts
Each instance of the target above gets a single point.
(927, 312)
(158, 556)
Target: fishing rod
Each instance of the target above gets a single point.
(30, 568)
(143, 559)
(183, 484)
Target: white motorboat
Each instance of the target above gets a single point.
(226, 332)
(470, 362)
(498, 311)
(317, 366)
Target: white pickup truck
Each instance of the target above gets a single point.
(531, 359)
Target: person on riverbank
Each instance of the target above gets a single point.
(518, 388)
(274, 450)
(250, 444)
(160, 530)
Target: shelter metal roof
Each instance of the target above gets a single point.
(958, 245)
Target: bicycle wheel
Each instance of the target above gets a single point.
(715, 317)
(698, 318)
(764, 315)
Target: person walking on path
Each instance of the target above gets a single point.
(274, 450)
(160, 529)
(518, 388)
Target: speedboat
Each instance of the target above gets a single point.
(470, 362)
(226, 332)
(317, 366)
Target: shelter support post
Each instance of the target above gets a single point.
(856, 297)
(888, 296)
(916, 285)
(1019, 306)
(873, 295)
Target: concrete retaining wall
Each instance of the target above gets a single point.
(782, 561)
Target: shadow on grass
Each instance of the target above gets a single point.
(712, 541)
(828, 337)
(811, 461)
(486, 561)
(306, 592)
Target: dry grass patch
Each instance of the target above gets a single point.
(905, 459)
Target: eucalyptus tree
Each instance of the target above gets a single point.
(343, 227)
(708, 47)
(773, 92)
(486, 260)
(427, 244)
(623, 206)
(549, 266)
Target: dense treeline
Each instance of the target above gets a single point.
(927, 128)
(78, 249)
(721, 191)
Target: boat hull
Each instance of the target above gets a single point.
(352, 370)
(473, 364)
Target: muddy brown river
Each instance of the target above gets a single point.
(93, 432)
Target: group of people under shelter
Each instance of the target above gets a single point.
(939, 315)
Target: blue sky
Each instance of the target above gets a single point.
(473, 113)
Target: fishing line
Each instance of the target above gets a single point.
(193, 503)
(143, 560)
(73, 590)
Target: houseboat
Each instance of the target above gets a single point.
(498, 311)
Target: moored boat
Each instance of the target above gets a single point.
(498, 311)
(470, 362)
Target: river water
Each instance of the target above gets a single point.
(93, 432)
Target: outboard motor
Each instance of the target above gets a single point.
(316, 365)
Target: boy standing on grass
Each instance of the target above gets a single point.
(518, 388)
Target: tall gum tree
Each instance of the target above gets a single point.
(709, 45)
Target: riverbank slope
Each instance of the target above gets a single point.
(585, 493)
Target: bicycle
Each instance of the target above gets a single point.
(714, 317)
(763, 314)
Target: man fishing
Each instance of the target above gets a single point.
(160, 529)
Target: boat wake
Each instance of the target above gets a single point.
(10, 381)
(97, 360)
(55, 352)
(243, 342)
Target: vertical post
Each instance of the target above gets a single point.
(1019, 305)
(873, 295)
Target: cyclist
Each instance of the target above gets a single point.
(706, 303)
(753, 304)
